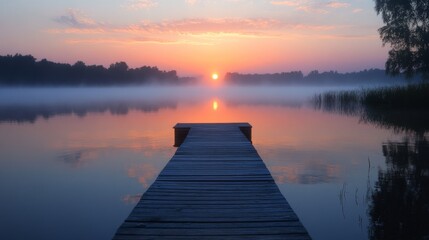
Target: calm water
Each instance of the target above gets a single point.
(73, 162)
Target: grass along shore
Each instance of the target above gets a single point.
(414, 96)
(402, 108)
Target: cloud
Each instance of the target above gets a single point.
(79, 157)
(349, 36)
(194, 31)
(140, 4)
(311, 6)
(77, 19)
(76, 22)
(357, 10)
(213, 25)
(314, 27)
(286, 3)
(191, 2)
(135, 41)
(144, 172)
(245, 26)
(132, 199)
(302, 5)
(337, 4)
(312, 9)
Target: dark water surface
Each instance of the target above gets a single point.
(73, 162)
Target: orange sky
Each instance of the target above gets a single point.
(197, 37)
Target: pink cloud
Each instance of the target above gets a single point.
(241, 26)
(76, 18)
(286, 3)
(140, 4)
(337, 5)
(191, 2)
(144, 172)
(132, 199)
(204, 25)
(311, 6)
(302, 5)
(194, 31)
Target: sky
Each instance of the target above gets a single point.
(198, 37)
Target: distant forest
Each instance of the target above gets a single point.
(374, 76)
(25, 70)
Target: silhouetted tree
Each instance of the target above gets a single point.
(314, 77)
(25, 70)
(120, 67)
(407, 31)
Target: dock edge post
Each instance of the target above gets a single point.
(247, 131)
(180, 134)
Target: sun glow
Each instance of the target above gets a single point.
(215, 105)
(215, 76)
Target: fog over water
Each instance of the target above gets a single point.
(27, 104)
(156, 94)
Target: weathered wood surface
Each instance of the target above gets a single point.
(216, 186)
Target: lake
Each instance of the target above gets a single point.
(75, 161)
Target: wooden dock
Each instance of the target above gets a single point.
(216, 186)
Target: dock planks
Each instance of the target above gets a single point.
(216, 186)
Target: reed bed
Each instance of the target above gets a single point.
(414, 96)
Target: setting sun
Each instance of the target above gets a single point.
(215, 76)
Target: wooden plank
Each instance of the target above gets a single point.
(216, 186)
(239, 237)
(210, 231)
(205, 225)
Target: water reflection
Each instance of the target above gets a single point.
(77, 158)
(411, 121)
(30, 113)
(215, 105)
(400, 201)
(132, 199)
(306, 174)
(145, 173)
(26, 105)
(404, 120)
(319, 159)
(79, 151)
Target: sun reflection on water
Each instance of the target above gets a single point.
(215, 105)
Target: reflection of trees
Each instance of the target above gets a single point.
(264, 102)
(400, 201)
(29, 113)
(399, 119)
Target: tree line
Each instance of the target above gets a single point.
(314, 77)
(26, 70)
